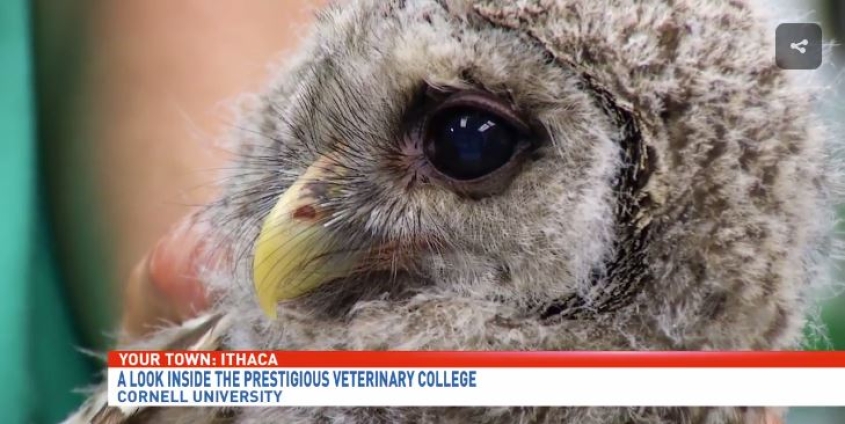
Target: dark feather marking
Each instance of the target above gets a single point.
(626, 272)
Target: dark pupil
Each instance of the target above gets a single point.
(468, 144)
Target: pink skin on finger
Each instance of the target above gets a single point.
(173, 268)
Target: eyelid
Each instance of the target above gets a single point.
(486, 102)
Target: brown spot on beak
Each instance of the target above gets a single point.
(305, 212)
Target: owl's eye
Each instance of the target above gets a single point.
(467, 143)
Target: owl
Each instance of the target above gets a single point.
(516, 175)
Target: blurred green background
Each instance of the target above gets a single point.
(42, 321)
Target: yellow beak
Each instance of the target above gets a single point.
(295, 252)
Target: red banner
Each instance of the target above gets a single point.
(405, 359)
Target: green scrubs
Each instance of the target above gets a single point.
(39, 362)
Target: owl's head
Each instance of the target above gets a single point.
(596, 164)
